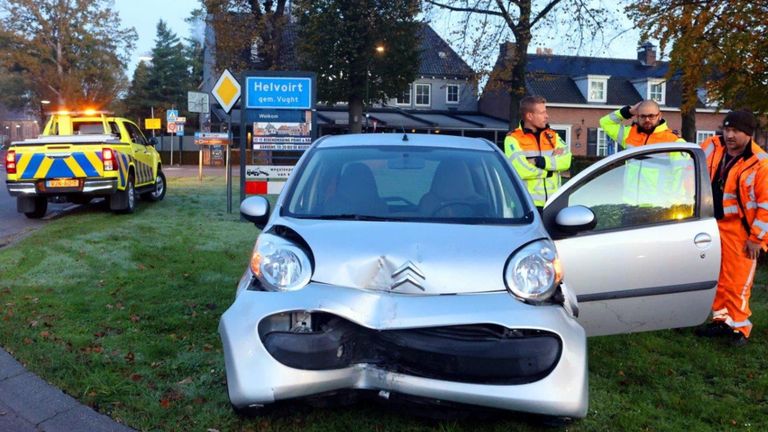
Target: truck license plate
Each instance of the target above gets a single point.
(62, 183)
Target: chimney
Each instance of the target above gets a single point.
(646, 53)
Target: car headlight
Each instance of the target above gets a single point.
(279, 264)
(533, 271)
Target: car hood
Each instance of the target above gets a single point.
(412, 258)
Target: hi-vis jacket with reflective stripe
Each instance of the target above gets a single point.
(626, 136)
(745, 189)
(521, 144)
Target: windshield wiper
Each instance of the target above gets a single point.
(352, 217)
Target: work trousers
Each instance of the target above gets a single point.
(737, 272)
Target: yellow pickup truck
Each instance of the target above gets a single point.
(81, 156)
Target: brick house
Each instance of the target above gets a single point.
(580, 90)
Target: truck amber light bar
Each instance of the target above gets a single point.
(10, 162)
(108, 157)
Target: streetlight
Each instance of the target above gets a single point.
(379, 49)
(43, 103)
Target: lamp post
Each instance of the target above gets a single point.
(379, 49)
(43, 103)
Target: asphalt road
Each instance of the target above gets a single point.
(13, 224)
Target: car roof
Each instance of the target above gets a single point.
(409, 139)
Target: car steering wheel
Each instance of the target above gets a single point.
(457, 204)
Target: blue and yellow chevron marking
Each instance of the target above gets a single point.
(123, 166)
(77, 164)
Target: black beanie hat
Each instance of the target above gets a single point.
(742, 120)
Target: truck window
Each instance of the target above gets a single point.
(135, 133)
(88, 128)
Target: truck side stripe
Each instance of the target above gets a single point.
(28, 164)
(58, 169)
(43, 167)
(85, 164)
(74, 166)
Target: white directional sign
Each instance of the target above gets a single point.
(226, 91)
(197, 102)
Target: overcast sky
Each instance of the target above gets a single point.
(143, 15)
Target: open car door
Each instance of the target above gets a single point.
(638, 240)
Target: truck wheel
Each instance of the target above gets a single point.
(159, 193)
(124, 201)
(41, 207)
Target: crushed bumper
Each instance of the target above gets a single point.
(482, 349)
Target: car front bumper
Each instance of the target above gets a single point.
(255, 377)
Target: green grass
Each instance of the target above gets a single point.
(122, 311)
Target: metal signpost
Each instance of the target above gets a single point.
(170, 122)
(226, 91)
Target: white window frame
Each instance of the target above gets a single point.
(416, 95)
(601, 147)
(657, 82)
(448, 87)
(593, 80)
(566, 128)
(410, 97)
(702, 135)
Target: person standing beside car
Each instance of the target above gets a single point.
(738, 169)
(536, 152)
(649, 128)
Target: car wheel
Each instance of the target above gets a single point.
(125, 197)
(159, 192)
(41, 207)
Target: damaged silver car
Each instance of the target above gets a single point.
(417, 265)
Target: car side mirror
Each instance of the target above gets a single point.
(153, 141)
(255, 209)
(575, 219)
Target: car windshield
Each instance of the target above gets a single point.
(407, 183)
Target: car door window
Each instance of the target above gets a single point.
(648, 189)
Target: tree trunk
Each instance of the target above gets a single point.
(688, 112)
(517, 84)
(355, 114)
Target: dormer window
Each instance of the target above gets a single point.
(598, 88)
(657, 90)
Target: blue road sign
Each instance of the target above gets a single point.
(278, 93)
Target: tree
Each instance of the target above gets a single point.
(259, 23)
(193, 50)
(718, 46)
(137, 101)
(361, 50)
(72, 52)
(168, 80)
(486, 23)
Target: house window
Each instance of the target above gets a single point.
(564, 131)
(656, 91)
(405, 97)
(605, 145)
(703, 135)
(452, 93)
(598, 87)
(422, 94)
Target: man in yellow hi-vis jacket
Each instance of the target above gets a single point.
(645, 183)
(536, 152)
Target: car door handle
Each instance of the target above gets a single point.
(702, 241)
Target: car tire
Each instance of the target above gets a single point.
(125, 197)
(160, 186)
(41, 207)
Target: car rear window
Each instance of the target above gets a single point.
(400, 182)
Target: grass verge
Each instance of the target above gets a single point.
(122, 312)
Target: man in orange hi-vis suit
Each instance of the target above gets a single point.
(738, 169)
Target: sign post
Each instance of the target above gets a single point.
(170, 122)
(226, 91)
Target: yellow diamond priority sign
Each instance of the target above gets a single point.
(226, 91)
